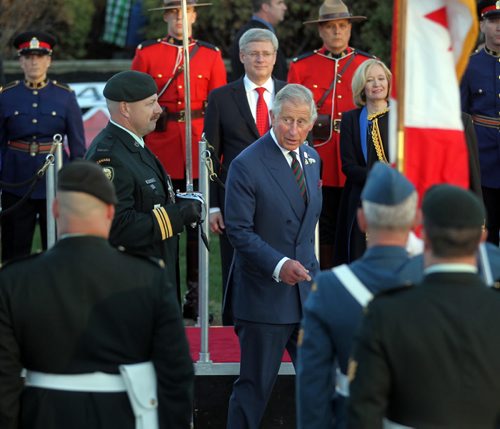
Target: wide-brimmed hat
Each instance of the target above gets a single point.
(175, 4)
(332, 10)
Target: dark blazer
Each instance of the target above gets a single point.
(229, 128)
(350, 242)
(280, 70)
(266, 220)
(141, 184)
(81, 307)
(427, 356)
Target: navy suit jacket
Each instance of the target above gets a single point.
(229, 128)
(266, 220)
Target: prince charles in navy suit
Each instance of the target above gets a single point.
(273, 202)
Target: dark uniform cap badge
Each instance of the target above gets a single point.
(109, 172)
(34, 43)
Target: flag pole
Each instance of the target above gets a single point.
(400, 83)
(187, 98)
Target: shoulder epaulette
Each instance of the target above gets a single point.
(150, 42)
(207, 45)
(157, 262)
(477, 51)
(394, 290)
(366, 54)
(305, 55)
(19, 259)
(62, 85)
(9, 85)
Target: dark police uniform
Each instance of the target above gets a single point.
(480, 94)
(146, 221)
(30, 115)
(83, 307)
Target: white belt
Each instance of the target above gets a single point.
(90, 382)
(388, 424)
(342, 383)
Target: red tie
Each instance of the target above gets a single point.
(262, 112)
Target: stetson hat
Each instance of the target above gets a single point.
(332, 10)
(176, 4)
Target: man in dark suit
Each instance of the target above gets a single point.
(273, 202)
(267, 14)
(230, 123)
(148, 219)
(79, 314)
(334, 309)
(427, 356)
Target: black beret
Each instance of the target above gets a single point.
(488, 8)
(88, 177)
(385, 185)
(130, 86)
(34, 42)
(449, 206)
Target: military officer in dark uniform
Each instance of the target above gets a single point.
(427, 356)
(163, 59)
(148, 219)
(334, 307)
(78, 314)
(480, 92)
(32, 111)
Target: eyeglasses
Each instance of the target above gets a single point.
(266, 54)
(288, 121)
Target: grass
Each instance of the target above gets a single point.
(215, 282)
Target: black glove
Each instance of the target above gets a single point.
(190, 211)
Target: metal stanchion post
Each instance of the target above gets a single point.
(51, 183)
(203, 259)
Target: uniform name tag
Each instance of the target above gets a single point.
(149, 181)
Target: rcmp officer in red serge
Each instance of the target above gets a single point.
(32, 111)
(480, 91)
(163, 60)
(328, 72)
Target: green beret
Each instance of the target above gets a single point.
(449, 206)
(88, 177)
(130, 86)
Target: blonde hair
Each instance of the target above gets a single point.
(359, 80)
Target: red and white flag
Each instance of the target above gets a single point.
(432, 40)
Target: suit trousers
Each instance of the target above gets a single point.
(262, 346)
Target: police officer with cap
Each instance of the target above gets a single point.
(334, 307)
(427, 356)
(78, 315)
(480, 92)
(148, 218)
(32, 111)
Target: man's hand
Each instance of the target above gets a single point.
(190, 211)
(217, 223)
(293, 272)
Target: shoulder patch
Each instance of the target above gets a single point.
(62, 85)
(305, 55)
(207, 45)
(150, 42)
(365, 54)
(9, 85)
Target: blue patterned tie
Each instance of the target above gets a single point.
(299, 175)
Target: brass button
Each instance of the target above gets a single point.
(315, 86)
(16, 113)
(54, 113)
(160, 75)
(339, 96)
(35, 92)
(35, 104)
(180, 87)
(35, 121)
(200, 76)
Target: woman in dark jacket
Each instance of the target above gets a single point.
(363, 140)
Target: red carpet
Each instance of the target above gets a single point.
(222, 344)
